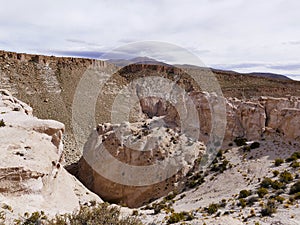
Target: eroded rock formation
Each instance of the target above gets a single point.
(129, 163)
(32, 177)
(153, 140)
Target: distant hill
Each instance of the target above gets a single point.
(136, 60)
(271, 75)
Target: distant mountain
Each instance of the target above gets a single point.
(147, 60)
(136, 60)
(270, 75)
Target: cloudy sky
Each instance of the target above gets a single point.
(239, 35)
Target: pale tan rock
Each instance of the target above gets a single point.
(145, 161)
(32, 177)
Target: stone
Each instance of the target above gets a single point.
(32, 177)
(145, 144)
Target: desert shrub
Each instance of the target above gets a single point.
(242, 203)
(99, 214)
(252, 200)
(293, 157)
(295, 164)
(182, 216)
(246, 148)
(278, 162)
(240, 141)
(279, 199)
(297, 195)
(269, 209)
(220, 154)
(277, 185)
(266, 182)
(262, 192)
(254, 145)
(212, 208)
(171, 196)
(223, 203)
(275, 173)
(2, 124)
(286, 177)
(220, 167)
(295, 188)
(244, 193)
(196, 180)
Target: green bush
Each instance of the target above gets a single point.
(279, 199)
(2, 124)
(212, 208)
(177, 217)
(240, 141)
(275, 173)
(251, 201)
(269, 209)
(295, 188)
(286, 177)
(293, 157)
(295, 164)
(242, 203)
(262, 192)
(277, 185)
(244, 193)
(266, 182)
(278, 162)
(297, 195)
(99, 214)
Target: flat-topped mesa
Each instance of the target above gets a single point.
(44, 59)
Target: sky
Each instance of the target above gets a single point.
(240, 35)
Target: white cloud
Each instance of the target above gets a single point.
(218, 31)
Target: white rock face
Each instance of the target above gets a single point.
(31, 175)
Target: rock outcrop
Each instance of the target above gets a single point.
(130, 163)
(32, 177)
(111, 149)
(252, 119)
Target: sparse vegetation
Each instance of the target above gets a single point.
(267, 182)
(295, 188)
(99, 214)
(269, 209)
(182, 216)
(212, 208)
(295, 164)
(275, 173)
(286, 177)
(277, 185)
(293, 157)
(242, 203)
(254, 145)
(2, 124)
(244, 193)
(278, 162)
(262, 192)
(240, 141)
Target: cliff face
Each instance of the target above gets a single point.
(32, 176)
(112, 151)
(49, 83)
